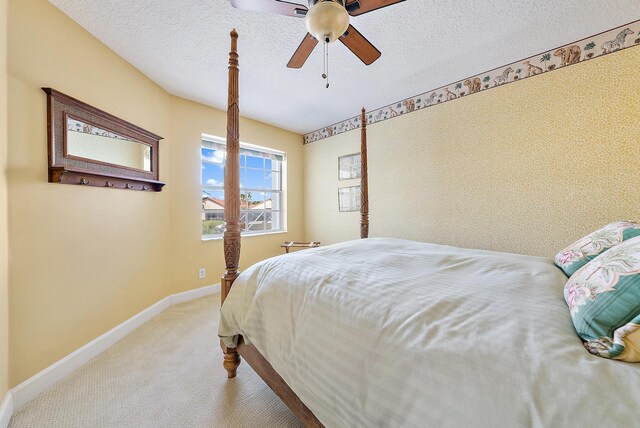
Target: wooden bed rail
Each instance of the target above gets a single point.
(232, 196)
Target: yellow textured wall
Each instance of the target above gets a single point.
(323, 222)
(4, 276)
(188, 122)
(528, 167)
(84, 259)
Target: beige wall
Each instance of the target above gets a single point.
(528, 167)
(188, 122)
(84, 259)
(4, 277)
(323, 222)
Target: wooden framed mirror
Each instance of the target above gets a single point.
(88, 146)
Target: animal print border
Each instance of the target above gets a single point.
(588, 48)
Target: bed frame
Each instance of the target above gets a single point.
(232, 243)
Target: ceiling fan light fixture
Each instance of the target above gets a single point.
(327, 20)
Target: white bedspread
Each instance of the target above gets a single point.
(393, 333)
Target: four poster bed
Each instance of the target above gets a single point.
(388, 332)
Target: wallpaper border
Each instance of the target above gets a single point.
(598, 45)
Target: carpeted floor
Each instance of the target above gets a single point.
(168, 373)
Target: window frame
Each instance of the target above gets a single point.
(282, 192)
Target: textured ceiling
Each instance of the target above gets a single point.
(183, 46)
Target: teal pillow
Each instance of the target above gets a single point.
(604, 301)
(586, 249)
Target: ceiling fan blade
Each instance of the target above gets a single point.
(302, 53)
(359, 7)
(360, 46)
(280, 7)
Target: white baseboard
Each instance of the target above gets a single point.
(194, 294)
(30, 388)
(6, 410)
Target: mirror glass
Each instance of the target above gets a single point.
(87, 141)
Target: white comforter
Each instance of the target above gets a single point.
(394, 333)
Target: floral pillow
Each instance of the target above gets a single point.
(604, 301)
(586, 249)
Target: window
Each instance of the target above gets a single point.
(261, 196)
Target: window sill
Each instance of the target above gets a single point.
(220, 238)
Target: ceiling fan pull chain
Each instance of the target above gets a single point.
(324, 60)
(327, 44)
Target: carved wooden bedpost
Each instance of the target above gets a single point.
(364, 180)
(232, 195)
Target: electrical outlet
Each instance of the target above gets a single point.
(202, 272)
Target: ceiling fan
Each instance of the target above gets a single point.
(326, 20)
